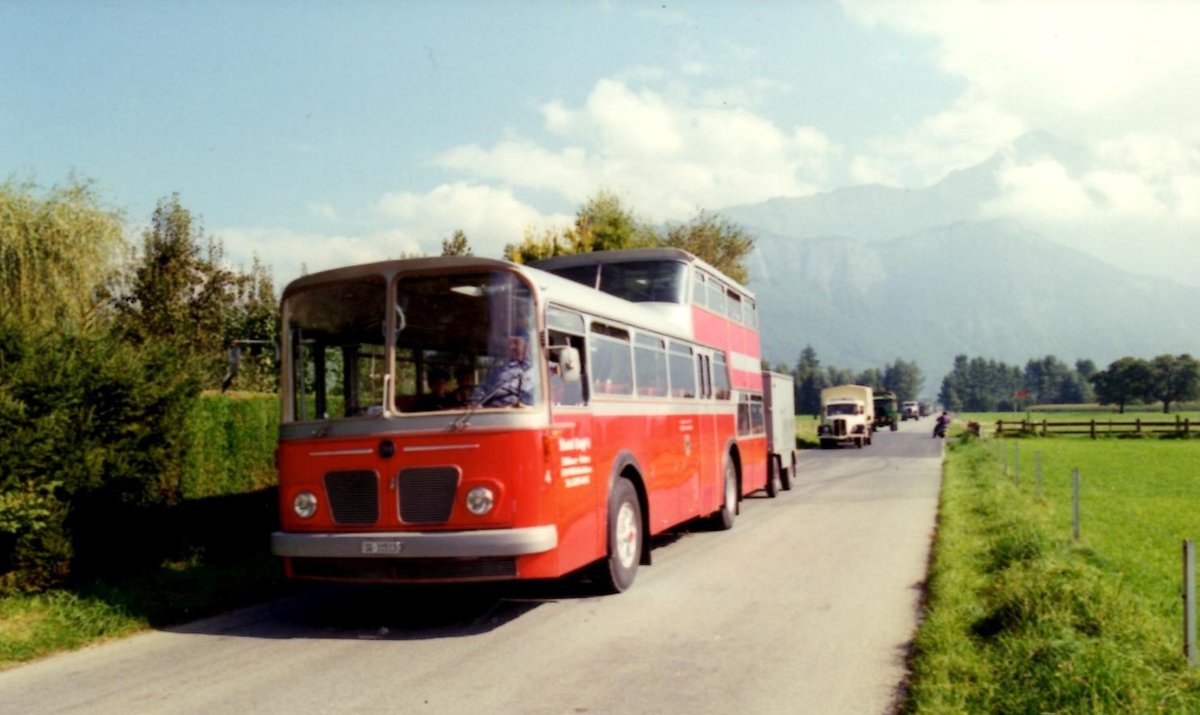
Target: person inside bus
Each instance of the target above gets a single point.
(438, 397)
(514, 382)
(464, 386)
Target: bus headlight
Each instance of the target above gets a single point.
(305, 504)
(480, 500)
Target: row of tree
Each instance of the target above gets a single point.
(604, 223)
(902, 377)
(982, 385)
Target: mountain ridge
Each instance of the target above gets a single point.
(870, 274)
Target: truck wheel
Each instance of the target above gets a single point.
(787, 475)
(773, 478)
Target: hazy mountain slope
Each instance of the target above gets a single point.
(979, 288)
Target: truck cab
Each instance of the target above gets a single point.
(847, 416)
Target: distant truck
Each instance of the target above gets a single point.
(910, 411)
(924, 408)
(847, 415)
(886, 410)
(779, 400)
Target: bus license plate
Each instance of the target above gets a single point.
(382, 547)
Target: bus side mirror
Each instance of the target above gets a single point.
(568, 363)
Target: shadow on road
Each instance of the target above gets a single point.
(400, 612)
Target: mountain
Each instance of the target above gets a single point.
(870, 274)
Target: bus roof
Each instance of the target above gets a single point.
(630, 255)
(669, 319)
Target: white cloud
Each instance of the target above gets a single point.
(1071, 67)
(671, 154)
(1040, 190)
(1116, 78)
(963, 135)
(489, 217)
(291, 253)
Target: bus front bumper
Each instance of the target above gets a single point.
(417, 545)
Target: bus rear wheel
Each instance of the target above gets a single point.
(616, 572)
(724, 517)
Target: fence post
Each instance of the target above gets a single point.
(1189, 601)
(1016, 464)
(1038, 456)
(1075, 489)
(1093, 429)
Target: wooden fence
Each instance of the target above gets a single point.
(1181, 426)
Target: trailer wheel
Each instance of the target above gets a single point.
(787, 476)
(774, 481)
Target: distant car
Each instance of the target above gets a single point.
(910, 410)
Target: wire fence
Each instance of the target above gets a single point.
(1137, 522)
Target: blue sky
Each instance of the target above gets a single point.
(326, 133)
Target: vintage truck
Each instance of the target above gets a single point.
(887, 410)
(847, 416)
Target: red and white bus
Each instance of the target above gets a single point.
(583, 422)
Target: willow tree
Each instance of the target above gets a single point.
(58, 251)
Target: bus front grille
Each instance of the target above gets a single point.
(427, 494)
(353, 496)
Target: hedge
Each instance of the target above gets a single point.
(230, 445)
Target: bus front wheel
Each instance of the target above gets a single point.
(616, 572)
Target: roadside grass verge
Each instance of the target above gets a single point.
(36, 625)
(1021, 619)
(806, 432)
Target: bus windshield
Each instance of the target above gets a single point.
(636, 281)
(456, 340)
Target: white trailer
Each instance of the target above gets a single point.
(779, 400)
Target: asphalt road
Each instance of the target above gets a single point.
(807, 606)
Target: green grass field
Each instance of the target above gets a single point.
(1022, 618)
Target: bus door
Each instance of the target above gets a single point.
(581, 523)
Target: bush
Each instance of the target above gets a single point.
(93, 435)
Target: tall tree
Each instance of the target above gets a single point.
(871, 377)
(905, 379)
(1122, 382)
(717, 240)
(182, 292)
(602, 224)
(1174, 378)
(457, 245)
(810, 380)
